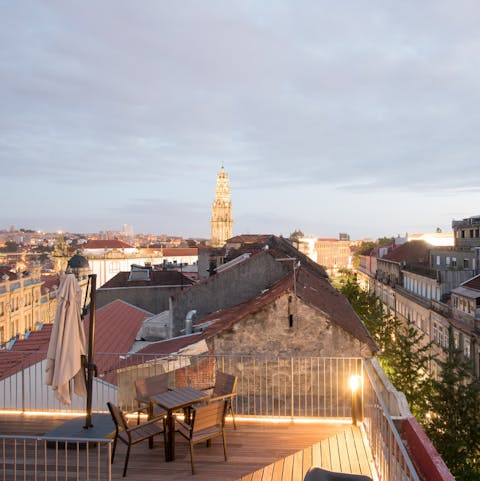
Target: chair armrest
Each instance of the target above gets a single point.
(223, 396)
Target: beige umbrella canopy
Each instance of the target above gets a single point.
(67, 343)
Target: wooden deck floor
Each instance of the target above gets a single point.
(257, 451)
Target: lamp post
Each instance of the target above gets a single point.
(355, 383)
(79, 266)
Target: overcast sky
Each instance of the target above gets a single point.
(348, 116)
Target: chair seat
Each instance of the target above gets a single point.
(142, 432)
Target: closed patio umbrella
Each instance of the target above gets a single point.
(67, 343)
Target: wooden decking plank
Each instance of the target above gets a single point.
(247, 477)
(325, 449)
(344, 453)
(297, 471)
(316, 454)
(287, 468)
(364, 457)
(278, 470)
(267, 473)
(353, 451)
(334, 454)
(257, 475)
(307, 460)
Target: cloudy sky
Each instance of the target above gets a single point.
(349, 116)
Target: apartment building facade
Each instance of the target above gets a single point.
(435, 288)
(26, 301)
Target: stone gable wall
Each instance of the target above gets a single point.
(268, 332)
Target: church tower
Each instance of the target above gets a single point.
(221, 222)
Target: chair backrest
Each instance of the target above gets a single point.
(208, 416)
(224, 384)
(149, 386)
(118, 417)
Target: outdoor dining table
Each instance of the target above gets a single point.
(172, 401)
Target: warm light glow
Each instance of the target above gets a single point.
(354, 382)
(286, 419)
(55, 414)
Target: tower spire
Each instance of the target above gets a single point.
(221, 222)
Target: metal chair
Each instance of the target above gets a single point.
(319, 474)
(225, 389)
(207, 422)
(135, 434)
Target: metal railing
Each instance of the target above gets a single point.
(51, 459)
(267, 386)
(389, 454)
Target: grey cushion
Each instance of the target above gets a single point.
(319, 474)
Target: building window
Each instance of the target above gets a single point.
(447, 260)
(438, 260)
(466, 348)
(454, 262)
(465, 263)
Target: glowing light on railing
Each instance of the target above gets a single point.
(354, 382)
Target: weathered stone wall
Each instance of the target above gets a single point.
(228, 288)
(152, 299)
(268, 331)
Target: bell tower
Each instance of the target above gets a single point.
(221, 222)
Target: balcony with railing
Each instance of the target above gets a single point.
(291, 413)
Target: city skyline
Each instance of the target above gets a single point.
(359, 117)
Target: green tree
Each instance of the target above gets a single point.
(454, 426)
(406, 359)
(369, 309)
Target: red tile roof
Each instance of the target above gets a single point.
(173, 345)
(25, 352)
(180, 251)
(313, 289)
(49, 282)
(116, 327)
(157, 278)
(106, 244)
(413, 252)
(473, 283)
(249, 239)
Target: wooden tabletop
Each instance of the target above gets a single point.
(179, 398)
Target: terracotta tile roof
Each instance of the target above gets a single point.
(249, 239)
(173, 345)
(110, 320)
(106, 244)
(170, 251)
(25, 352)
(49, 282)
(473, 283)
(319, 293)
(157, 278)
(312, 289)
(116, 327)
(180, 251)
(413, 252)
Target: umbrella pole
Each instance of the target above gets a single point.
(91, 368)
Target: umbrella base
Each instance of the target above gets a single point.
(72, 433)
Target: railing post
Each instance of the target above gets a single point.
(23, 382)
(292, 390)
